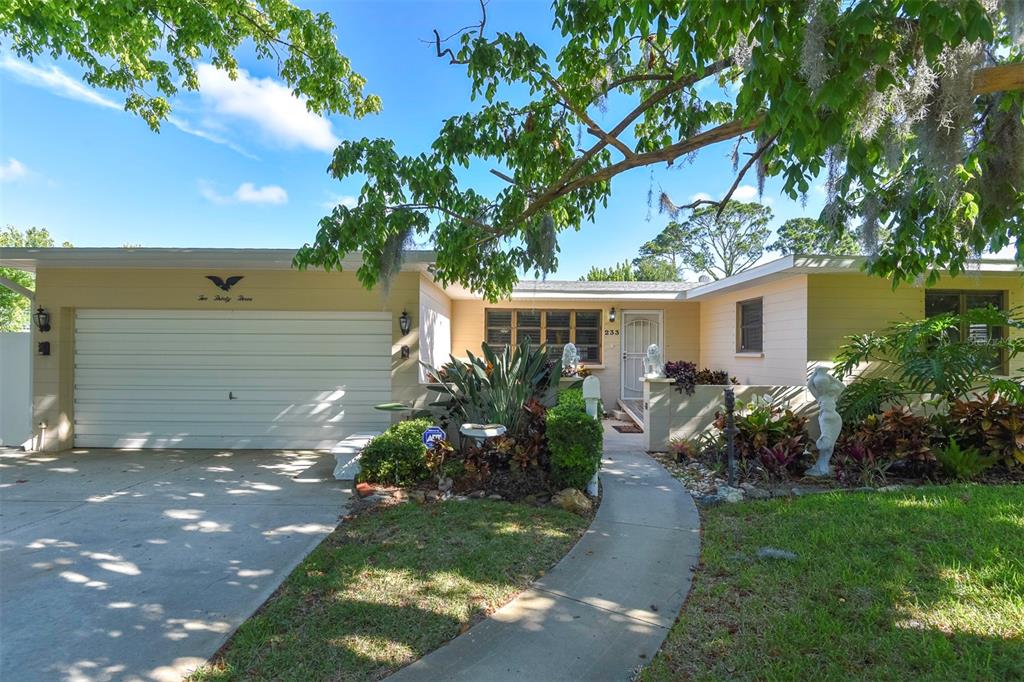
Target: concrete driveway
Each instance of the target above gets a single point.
(138, 565)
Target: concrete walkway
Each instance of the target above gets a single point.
(118, 565)
(603, 610)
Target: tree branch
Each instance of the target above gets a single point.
(743, 171)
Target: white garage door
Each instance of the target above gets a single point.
(229, 379)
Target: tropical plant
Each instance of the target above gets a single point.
(686, 376)
(894, 101)
(929, 356)
(397, 456)
(778, 459)
(992, 424)
(761, 424)
(575, 442)
(683, 449)
(495, 387)
(867, 396)
(965, 464)
(856, 461)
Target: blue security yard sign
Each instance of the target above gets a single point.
(432, 435)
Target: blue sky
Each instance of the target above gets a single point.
(243, 164)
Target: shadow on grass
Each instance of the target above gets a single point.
(390, 586)
(916, 584)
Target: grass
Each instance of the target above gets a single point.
(922, 584)
(389, 586)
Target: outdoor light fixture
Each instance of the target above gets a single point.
(404, 323)
(406, 352)
(42, 320)
(611, 314)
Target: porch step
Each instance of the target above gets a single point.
(633, 410)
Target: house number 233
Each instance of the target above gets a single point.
(611, 332)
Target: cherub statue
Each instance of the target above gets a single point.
(654, 364)
(826, 389)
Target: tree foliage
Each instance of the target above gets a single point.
(811, 236)
(640, 270)
(875, 94)
(149, 49)
(721, 244)
(15, 309)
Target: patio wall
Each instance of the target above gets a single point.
(670, 414)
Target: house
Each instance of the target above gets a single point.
(233, 348)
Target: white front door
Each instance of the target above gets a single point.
(639, 330)
(229, 379)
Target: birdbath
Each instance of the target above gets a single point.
(481, 432)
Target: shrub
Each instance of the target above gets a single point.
(573, 398)
(683, 449)
(779, 458)
(762, 425)
(870, 449)
(575, 442)
(397, 456)
(964, 464)
(494, 388)
(856, 461)
(990, 423)
(687, 376)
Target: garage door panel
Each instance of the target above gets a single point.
(193, 344)
(229, 379)
(231, 361)
(239, 327)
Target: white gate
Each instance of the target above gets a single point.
(639, 330)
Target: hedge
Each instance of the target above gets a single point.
(397, 456)
(575, 441)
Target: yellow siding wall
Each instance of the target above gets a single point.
(783, 361)
(682, 332)
(843, 304)
(62, 290)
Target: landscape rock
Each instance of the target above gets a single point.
(417, 496)
(728, 494)
(445, 485)
(774, 553)
(495, 497)
(477, 494)
(572, 500)
(364, 489)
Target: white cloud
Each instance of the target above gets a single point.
(59, 83)
(247, 193)
(12, 170)
(346, 200)
(280, 116)
(745, 193)
(700, 196)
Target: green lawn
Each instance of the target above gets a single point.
(922, 584)
(390, 586)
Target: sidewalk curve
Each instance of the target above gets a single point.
(606, 607)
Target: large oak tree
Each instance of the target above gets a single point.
(894, 101)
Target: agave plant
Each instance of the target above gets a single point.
(494, 388)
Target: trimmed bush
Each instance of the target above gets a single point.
(575, 441)
(573, 397)
(397, 456)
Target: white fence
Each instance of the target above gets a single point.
(15, 388)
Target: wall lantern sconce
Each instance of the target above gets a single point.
(404, 323)
(611, 314)
(42, 320)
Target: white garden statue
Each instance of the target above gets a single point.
(826, 389)
(654, 364)
(570, 357)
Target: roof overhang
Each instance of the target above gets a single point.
(31, 259)
(798, 264)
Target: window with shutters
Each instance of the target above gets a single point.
(937, 302)
(750, 326)
(555, 328)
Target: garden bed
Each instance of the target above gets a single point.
(392, 584)
(918, 583)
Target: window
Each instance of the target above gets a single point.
(749, 321)
(959, 302)
(555, 328)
